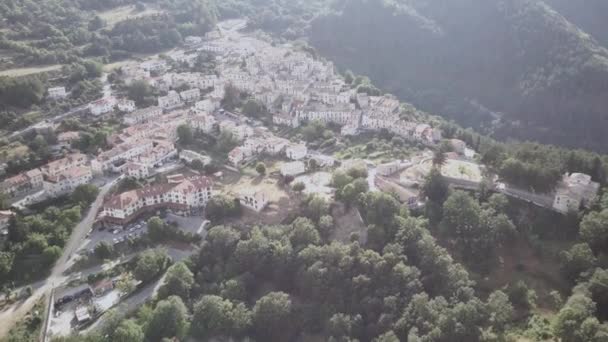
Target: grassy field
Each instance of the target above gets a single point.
(16, 72)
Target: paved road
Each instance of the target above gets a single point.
(14, 313)
(149, 291)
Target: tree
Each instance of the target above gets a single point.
(150, 263)
(260, 168)
(178, 282)
(184, 132)
(298, 187)
(575, 322)
(6, 264)
(103, 251)
(85, 194)
(126, 284)
(435, 187)
(439, 159)
(501, 311)
(594, 229)
(50, 254)
(273, 317)
(169, 319)
(157, 230)
(215, 316)
(140, 92)
(254, 109)
(579, 258)
(221, 207)
(303, 233)
(128, 331)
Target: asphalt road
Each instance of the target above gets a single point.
(14, 313)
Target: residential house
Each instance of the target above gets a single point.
(574, 191)
(393, 167)
(182, 195)
(56, 167)
(136, 170)
(57, 93)
(142, 115)
(67, 181)
(190, 156)
(203, 122)
(296, 151)
(238, 155)
(253, 199)
(172, 100)
(126, 105)
(190, 95)
(102, 106)
(65, 139)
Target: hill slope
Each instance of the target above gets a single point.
(512, 68)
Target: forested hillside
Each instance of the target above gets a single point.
(514, 68)
(62, 31)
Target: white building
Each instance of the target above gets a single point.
(136, 170)
(388, 169)
(172, 100)
(190, 95)
(253, 199)
(65, 139)
(296, 151)
(59, 166)
(181, 195)
(206, 105)
(57, 93)
(238, 155)
(292, 168)
(190, 156)
(575, 190)
(126, 105)
(67, 181)
(102, 106)
(203, 122)
(142, 115)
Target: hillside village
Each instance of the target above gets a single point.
(291, 84)
(296, 89)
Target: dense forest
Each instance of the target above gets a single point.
(512, 68)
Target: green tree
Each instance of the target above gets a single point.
(128, 331)
(436, 187)
(178, 282)
(185, 134)
(169, 319)
(594, 229)
(439, 159)
(273, 317)
(501, 311)
(298, 187)
(85, 194)
(260, 168)
(150, 263)
(103, 250)
(140, 92)
(215, 316)
(157, 229)
(579, 258)
(221, 207)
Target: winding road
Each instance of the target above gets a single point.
(11, 315)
